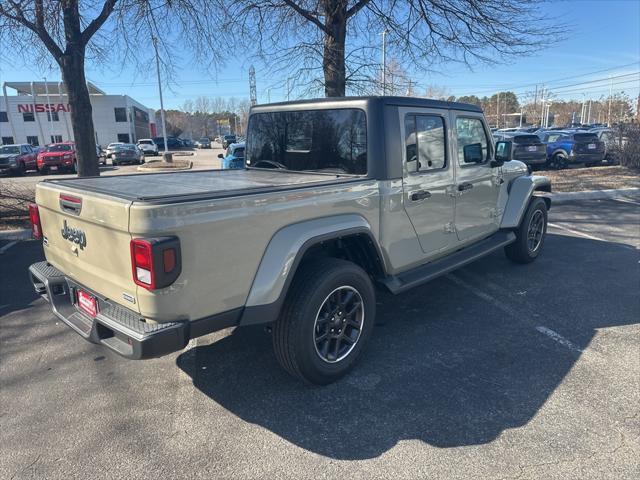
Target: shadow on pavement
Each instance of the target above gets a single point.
(16, 292)
(445, 366)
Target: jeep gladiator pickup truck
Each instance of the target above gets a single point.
(339, 197)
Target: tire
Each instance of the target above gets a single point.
(22, 169)
(297, 333)
(74, 166)
(523, 250)
(558, 161)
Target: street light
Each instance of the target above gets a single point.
(164, 127)
(48, 109)
(384, 62)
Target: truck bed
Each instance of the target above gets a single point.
(195, 185)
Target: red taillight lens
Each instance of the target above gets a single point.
(142, 263)
(155, 262)
(34, 218)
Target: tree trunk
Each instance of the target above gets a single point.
(72, 66)
(333, 61)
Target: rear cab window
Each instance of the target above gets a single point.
(323, 141)
(425, 143)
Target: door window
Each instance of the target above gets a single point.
(471, 131)
(425, 143)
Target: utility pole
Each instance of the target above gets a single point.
(154, 40)
(288, 88)
(589, 114)
(252, 86)
(520, 118)
(535, 99)
(610, 94)
(268, 95)
(384, 62)
(542, 103)
(48, 109)
(498, 111)
(410, 89)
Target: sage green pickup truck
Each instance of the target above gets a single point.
(339, 198)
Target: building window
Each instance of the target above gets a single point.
(53, 117)
(33, 140)
(28, 117)
(4, 117)
(121, 114)
(123, 137)
(7, 140)
(56, 138)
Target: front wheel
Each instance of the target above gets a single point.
(326, 321)
(530, 235)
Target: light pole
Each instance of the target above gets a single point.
(610, 94)
(48, 109)
(164, 126)
(589, 114)
(384, 62)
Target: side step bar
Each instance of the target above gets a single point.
(424, 273)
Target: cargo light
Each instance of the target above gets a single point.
(34, 218)
(155, 262)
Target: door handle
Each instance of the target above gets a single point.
(420, 195)
(465, 186)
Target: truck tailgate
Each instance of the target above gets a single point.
(87, 238)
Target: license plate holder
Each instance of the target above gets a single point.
(532, 148)
(591, 146)
(87, 303)
(53, 168)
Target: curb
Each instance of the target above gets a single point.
(20, 234)
(563, 197)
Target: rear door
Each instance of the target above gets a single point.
(477, 183)
(86, 236)
(428, 181)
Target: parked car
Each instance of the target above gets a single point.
(173, 143)
(608, 137)
(527, 148)
(58, 157)
(17, 158)
(127, 153)
(187, 143)
(315, 228)
(233, 157)
(148, 146)
(228, 140)
(111, 148)
(566, 147)
(203, 142)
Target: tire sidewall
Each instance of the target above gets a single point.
(536, 204)
(309, 360)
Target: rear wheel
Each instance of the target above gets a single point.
(326, 321)
(530, 235)
(22, 169)
(558, 161)
(74, 167)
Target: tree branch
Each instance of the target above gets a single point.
(38, 27)
(306, 14)
(357, 7)
(96, 23)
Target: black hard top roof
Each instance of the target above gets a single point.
(397, 101)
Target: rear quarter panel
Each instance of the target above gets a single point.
(223, 241)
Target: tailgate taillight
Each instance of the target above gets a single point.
(155, 262)
(34, 218)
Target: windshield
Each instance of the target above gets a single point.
(59, 148)
(10, 149)
(145, 142)
(312, 140)
(204, 140)
(126, 147)
(526, 139)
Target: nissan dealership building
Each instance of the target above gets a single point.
(38, 113)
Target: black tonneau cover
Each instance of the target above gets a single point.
(197, 184)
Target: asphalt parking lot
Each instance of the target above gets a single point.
(494, 371)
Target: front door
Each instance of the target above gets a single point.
(477, 183)
(428, 178)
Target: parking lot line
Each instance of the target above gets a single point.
(558, 338)
(575, 232)
(8, 246)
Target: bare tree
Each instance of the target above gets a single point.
(334, 43)
(74, 31)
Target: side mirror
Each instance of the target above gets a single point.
(473, 153)
(220, 155)
(504, 153)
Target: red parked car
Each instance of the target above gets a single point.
(58, 156)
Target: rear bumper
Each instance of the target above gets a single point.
(586, 157)
(118, 328)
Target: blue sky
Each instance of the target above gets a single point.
(603, 40)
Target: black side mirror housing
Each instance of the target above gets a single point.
(220, 155)
(473, 153)
(504, 153)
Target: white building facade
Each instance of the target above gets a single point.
(39, 113)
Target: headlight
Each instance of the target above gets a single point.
(13, 160)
